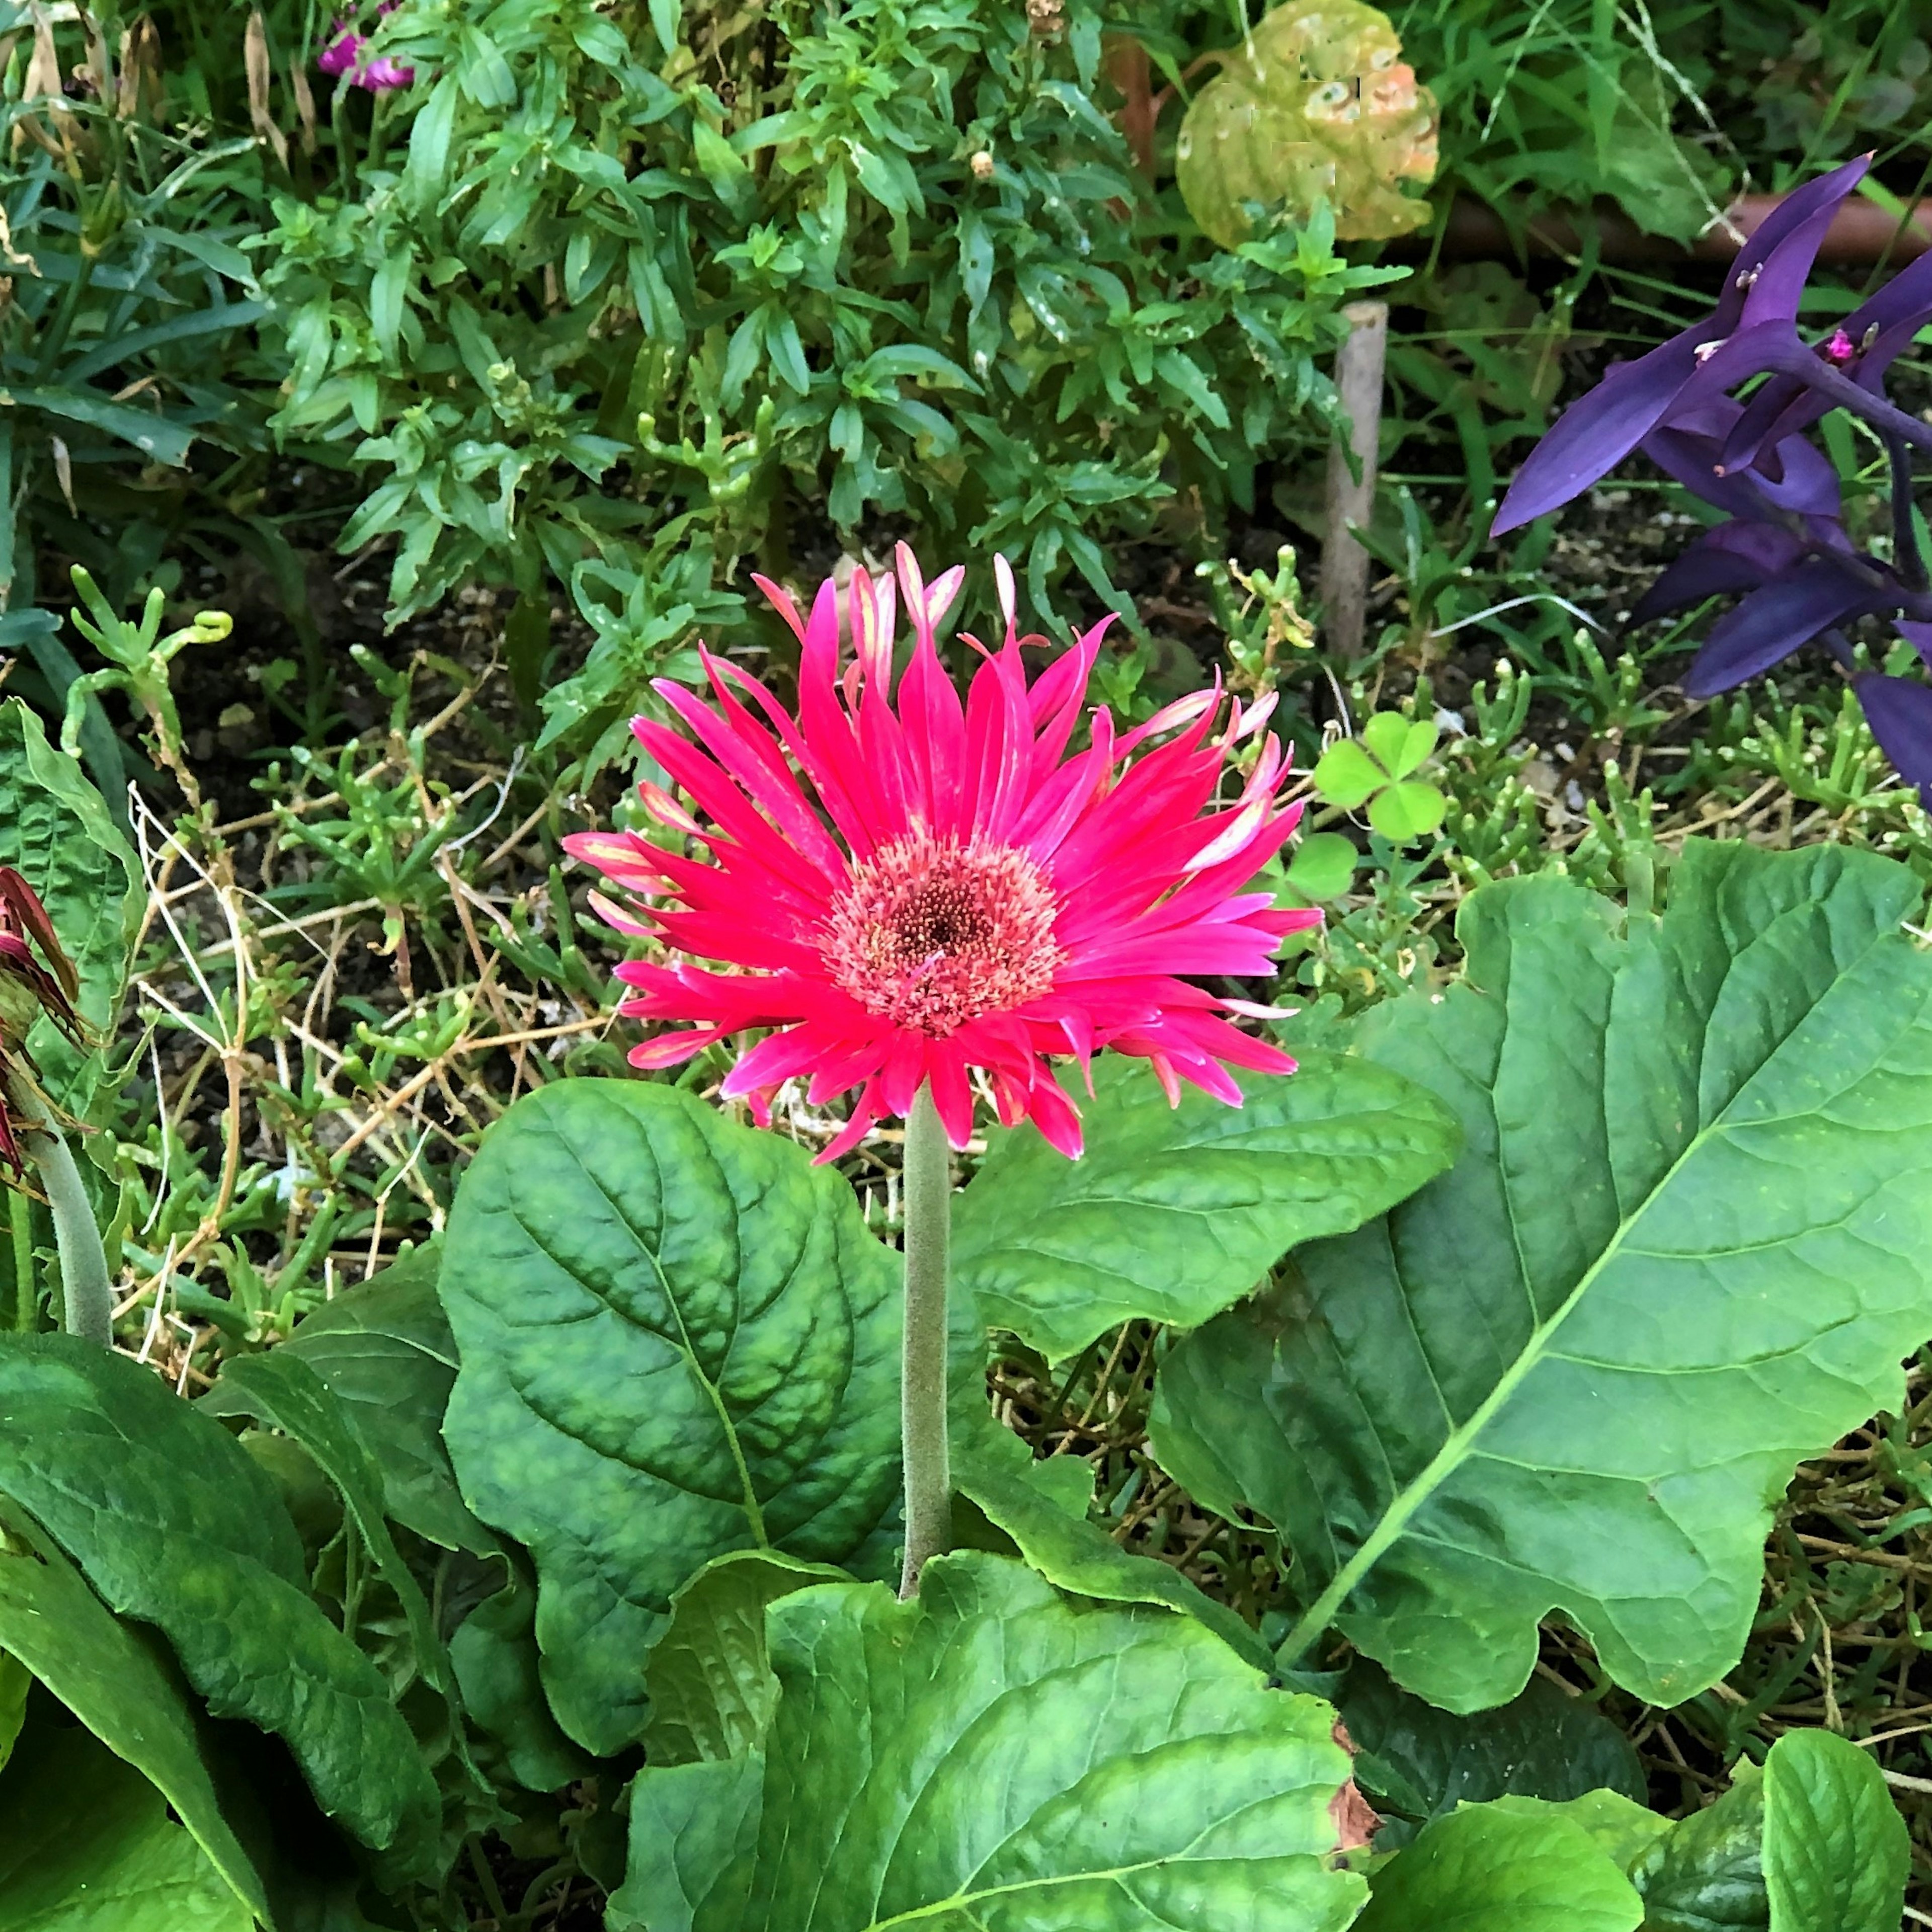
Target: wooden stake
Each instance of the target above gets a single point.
(1344, 563)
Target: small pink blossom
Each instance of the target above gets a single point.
(1839, 348)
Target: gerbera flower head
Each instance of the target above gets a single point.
(904, 886)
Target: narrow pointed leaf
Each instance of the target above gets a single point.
(1899, 710)
(1773, 621)
(1687, 1245)
(1733, 557)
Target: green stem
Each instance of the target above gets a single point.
(929, 1472)
(89, 1309)
(19, 1224)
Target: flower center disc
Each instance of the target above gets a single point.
(931, 934)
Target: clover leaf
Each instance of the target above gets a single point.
(1373, 769)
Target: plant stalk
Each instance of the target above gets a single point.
(928, 1471)
(88, 1294)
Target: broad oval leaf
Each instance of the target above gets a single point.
(1837, 1854)
(174, 1523)
(992, 1757)
(677, 1338)
(1488, 1868)
(1174, 1213)
(56, 1626)
(1687, 1246)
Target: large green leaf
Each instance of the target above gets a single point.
(173, 1523)
(1418, 1763)
(56, 831)
(385, 1348)
(1174, 1213)
(1836, 1853)
(86, 1845)
(993, 1757)
(1688, 1243)
(55, 1625)
(1491, 1868)
(677, 1338)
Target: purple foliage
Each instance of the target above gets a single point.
(1785, 554)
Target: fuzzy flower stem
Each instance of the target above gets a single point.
(89, 1295)
(929, 1472)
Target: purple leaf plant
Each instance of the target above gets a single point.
(1798, 576)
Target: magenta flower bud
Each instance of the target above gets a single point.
(1838, 348)
(381, 73)
(342, 52)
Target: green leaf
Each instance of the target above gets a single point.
(694, 1813)
(1344, 775)
(1487, 1868)
(677, 1339)
(693, 1830)
(1398, 744)
(1837, 1854)
(494, 1652)
(385, 1347)
(1079, 1556)
(16, 1681)
(1406, 811)
(86, 1845)
(1621, 1828)
(1687, 1246)
(428, 166)
(1705, 1875)
(1173, 1212)
(281, 1391)
(55, 830)
(1323, 866)
(55, 1625)
(1419, 1763)
(991, 1757)
(152, 434)
(710, 1679)
(173, 1523)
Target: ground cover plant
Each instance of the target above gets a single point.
(1050, 1254)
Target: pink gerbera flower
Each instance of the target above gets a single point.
(906, 887)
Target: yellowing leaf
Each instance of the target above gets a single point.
(1316, 106)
